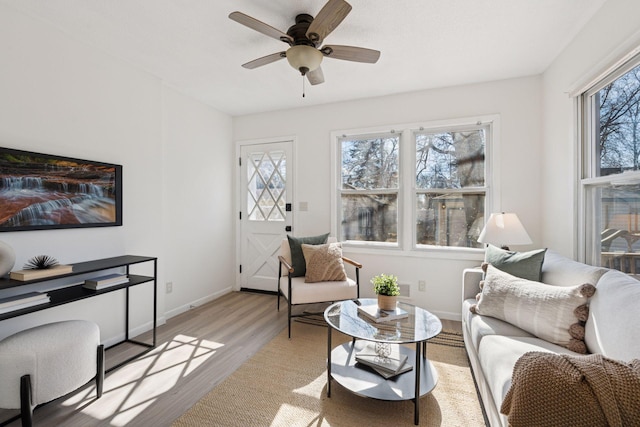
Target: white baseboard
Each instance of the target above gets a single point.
(448, 315)
(184, 308)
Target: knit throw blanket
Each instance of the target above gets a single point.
(550, 389)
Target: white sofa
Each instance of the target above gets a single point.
(494, 346)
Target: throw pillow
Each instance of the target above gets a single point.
(297, 257)
(324, 263)
(527, 265)
(554, 313)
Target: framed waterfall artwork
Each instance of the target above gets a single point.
(44, 191)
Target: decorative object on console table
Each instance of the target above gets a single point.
(7, 258)
(106, 281)
(387, 289)
(375, 313)
(504, 229)
(39, 267)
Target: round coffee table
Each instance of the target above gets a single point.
(418, 327)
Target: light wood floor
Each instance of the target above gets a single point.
(195, 351)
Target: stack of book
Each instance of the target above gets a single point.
(18, 302)
(389, 366)
(374, 313)
(104, 282)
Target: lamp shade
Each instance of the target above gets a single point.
(304, 58)
(503, 229)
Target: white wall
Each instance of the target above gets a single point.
(516, 101)
(613, 30)
(198, 212)
(62, 97)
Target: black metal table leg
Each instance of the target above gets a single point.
(416, 417)
(328, 361)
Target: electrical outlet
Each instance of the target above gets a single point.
(169, 287)
(422, 285)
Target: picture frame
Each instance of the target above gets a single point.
(45, 191)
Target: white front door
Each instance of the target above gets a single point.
(265, 194)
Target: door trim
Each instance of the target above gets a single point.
(238, 203)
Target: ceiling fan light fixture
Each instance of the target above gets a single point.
(304, 58)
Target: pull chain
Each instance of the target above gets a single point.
(303, 86)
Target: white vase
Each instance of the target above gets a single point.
(7, 258)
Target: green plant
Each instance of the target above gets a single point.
(386, 284)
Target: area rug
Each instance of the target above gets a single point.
(284, 384)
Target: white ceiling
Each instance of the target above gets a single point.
(194, 47)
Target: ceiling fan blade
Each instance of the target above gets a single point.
(260, 27)
(351, 53)
(329, 17)
(264, 60)
(316, 76)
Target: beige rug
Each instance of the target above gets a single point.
(284, 384)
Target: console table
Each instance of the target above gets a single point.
(78, 292)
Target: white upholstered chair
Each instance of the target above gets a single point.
(297, 292)
(46, 362)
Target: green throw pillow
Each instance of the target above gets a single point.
(297, 257)
(526, 265)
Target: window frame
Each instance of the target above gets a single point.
(588, 181)
(407, 193)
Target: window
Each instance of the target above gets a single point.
(450, 186)
(611, 170)
(370, 186)
(432, 178)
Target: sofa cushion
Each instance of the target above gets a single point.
(324, 263)
(612, 328)
(297, 257)
(498, 355)
(306, 293)
(549, 312)
(527, 265)
(561, 271)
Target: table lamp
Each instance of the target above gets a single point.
(503, 229)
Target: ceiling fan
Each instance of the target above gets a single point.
(305, 38)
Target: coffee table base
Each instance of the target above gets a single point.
(365, 382)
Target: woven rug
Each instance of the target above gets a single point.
(284, 384)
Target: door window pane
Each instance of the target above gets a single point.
(266, 197)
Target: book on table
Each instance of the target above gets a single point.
(106, 281)
(22, 299)
(388, 366)
(40, 273)
(373, 312)
(19, 302)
